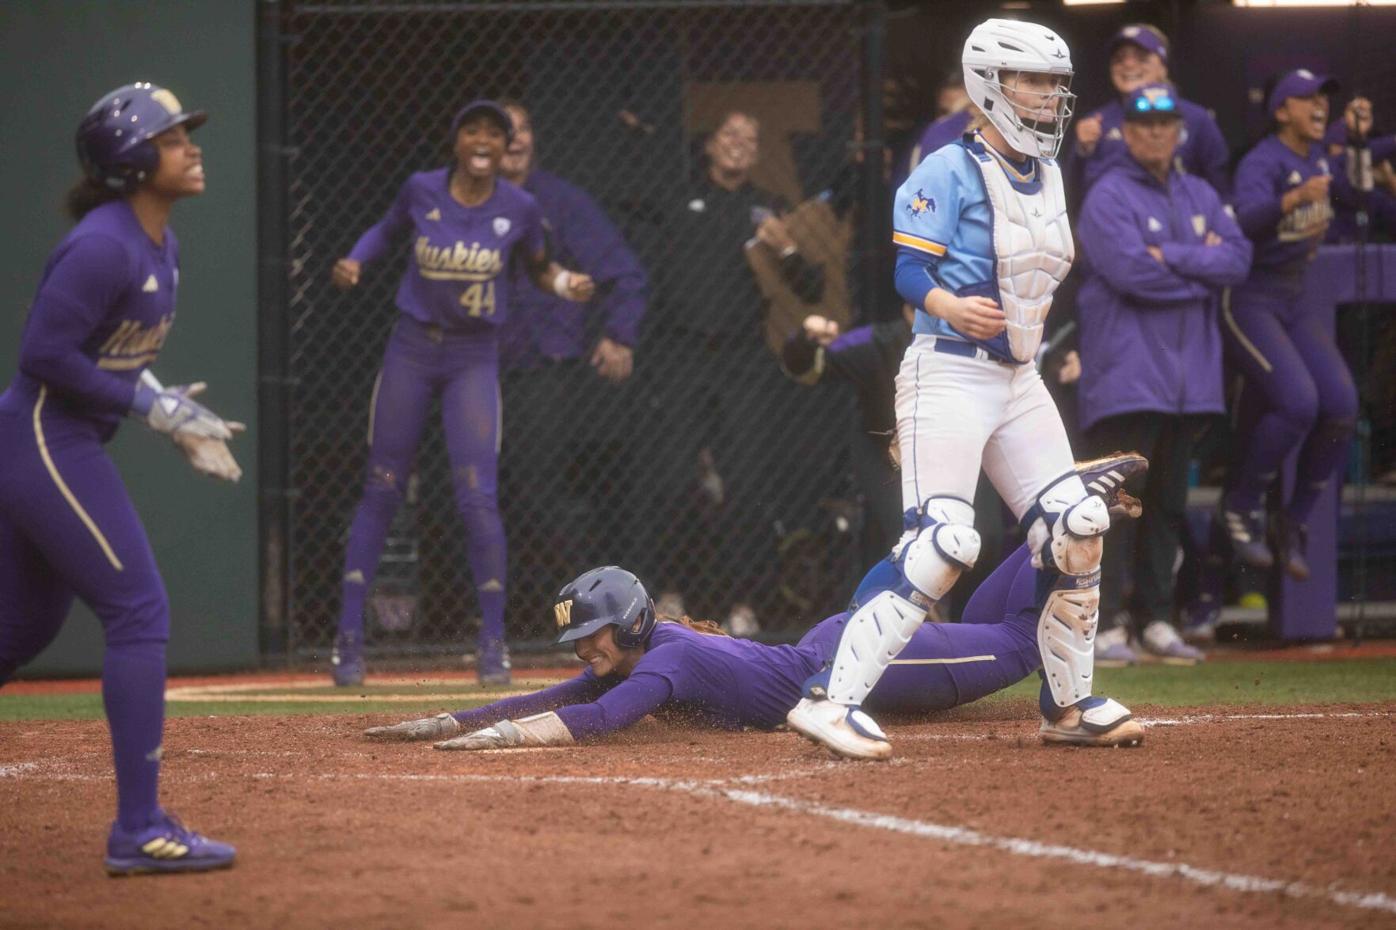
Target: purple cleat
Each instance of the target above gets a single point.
(166, 845)
(347, 660)
(1244, 533)
(494, 668)
(1105, 477)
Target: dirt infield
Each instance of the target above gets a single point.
(1228, 820)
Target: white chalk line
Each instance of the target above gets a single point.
(960, 836)
(722, 788)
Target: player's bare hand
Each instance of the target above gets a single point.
(1070, 372)
(773, 232)
(1155, 253)
(580, 287)
(820, 329)
(975, 317)
(612, 360)
(1088, 132)
(345, 274)
(208, 455)
(1385, 175)
(1357, 117)
(1314, 190)
(1212, 238)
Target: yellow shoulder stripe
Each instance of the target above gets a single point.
(916, 242)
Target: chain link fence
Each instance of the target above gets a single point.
(708, 471)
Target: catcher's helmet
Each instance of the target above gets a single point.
(113, 139)
(606, 595)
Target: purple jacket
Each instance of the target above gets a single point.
(1149, 333)
(543, 325)
(940, 132)
(1201, 151)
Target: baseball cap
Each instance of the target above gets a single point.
(1152, 101)
(489, 107)
(1300, 82)
(1147, 37)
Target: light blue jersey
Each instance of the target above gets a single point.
(943, 226)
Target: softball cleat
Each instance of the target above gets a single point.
(844, 731)
(166, 845)
(1093, 721)
(1105, 478)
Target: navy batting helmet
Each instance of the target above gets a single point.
(113, 139)
(489, 108)
(606, 595)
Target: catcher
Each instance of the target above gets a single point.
(688, 671)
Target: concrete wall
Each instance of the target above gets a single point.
(56, 58)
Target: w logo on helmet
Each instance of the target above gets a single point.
(562, 612)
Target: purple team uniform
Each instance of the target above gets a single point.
(453, 295)
(1298, 388)
(737, 683)
(543, 327)
(1202, 151)
(103, 310)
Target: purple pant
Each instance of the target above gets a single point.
(1298, 390)
(423, 362)
(68, 529)
(948, 664)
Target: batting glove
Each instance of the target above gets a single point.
(538, 730)
(415, 730)
(172, 410)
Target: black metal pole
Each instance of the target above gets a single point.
(273, 409)
(875, 206)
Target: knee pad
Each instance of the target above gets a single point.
(385, 480)
(1065, 527)
(944, 545)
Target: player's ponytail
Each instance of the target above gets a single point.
(87, 195)
(706, 627)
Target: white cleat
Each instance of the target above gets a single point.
(1094, 721)
(844, 731)
(441, 726)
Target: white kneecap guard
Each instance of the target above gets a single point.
(1071, 525)
(1066, 638)
(933, 561)
(875, 634)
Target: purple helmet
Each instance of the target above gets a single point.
(605, 596)
(113, 139)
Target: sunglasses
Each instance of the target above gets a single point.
(1161, 103)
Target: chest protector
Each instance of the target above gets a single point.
(1032, 245)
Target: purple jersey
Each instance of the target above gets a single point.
(1284, 242)
(103, 309)
(1201, 151)
(714, 680)
(457, 269)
